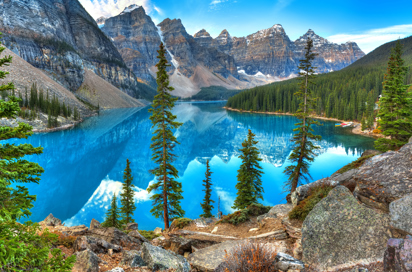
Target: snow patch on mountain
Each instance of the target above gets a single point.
(174, 61)
(130, 8)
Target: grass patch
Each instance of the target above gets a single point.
(180, 223)
(245, 214)
(149, 234)
(316, 194)
(354, 165)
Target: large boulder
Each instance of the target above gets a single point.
(181, 245)
(205, 222)
(303, 191)
(115, 236)
(385, 178)
(280, 210)
(136, 234)
(158, 230)
(398, 255)
(97, 245)
(209, 258)
(157, 258)
(285, 262)
(86, 261)
(94, 224)
(339, 230)
(117, 269)
(72, 231)
(50, 220)
(401, 214)
(132, 226)
(132, 258)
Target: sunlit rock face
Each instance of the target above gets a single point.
(61, 38)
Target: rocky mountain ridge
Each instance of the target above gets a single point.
(63, 40)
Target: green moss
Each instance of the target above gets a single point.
(149, 234)
(316, 194)
(355, 164)
(181, 223)
(245, 214)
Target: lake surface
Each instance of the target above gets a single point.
(84, 166)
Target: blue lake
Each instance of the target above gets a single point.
(84, 166)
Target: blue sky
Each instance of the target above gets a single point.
(369, 23)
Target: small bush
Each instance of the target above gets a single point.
(377, 131)
(249, 256)
(316, 194)
(355, 164)
(180, 223)
(244, 215)
(149, 234)
(64, 240)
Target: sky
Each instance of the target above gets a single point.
(368, 23)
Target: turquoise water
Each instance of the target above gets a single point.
(84, 166)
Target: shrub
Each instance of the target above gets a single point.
(149, 234)
(64, 240)
(180, 223)
(244, 215)
(249, 256)
(355, 164)
(377, 131)
(316, 194)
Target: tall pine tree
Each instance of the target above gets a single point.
(249, 186)
(22, 249)
(395, 112)
(168, 191)
(112, 215)
(127, 196)
(303, 151)
(207, 202)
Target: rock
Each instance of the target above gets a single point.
(160, 259)
(132, 226)
(158, 230)
(136, 234)
(297, 249)
(86, 261)
(370, 152)
(209, 258)
(94, 224)
(117, 269)
(302, 192)
(116, 237)
(398, 255)
(72, 231)
(132, 258)
(181, 245)
(285, 262)
(97, 245)
(410, 140)
(52, 221)
(204, 222)
(339, 230)
(110, 252)
(281, 210)
(401, 214)
(214, 230)
(292, 231)
(385, 178)
(254, 229)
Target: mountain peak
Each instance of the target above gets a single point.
(202, 34)
(130, 8)
(224, 34)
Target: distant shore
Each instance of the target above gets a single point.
(356, 129)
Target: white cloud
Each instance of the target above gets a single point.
(109, 8)
(214, 4)
(226, 199)
(371, 39)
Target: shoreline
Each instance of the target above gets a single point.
(63, 127)
(355, 129)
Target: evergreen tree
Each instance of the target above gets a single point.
(22, 249)
(249, 186)
(363, 124)
(112, 215)
(207, 202)
(303, 151)
(395, 113)
(168, 191)
(127, 196)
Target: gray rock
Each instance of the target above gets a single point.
(204, 222)
(94, 244)
(132, 226)
(136, 234)
(209, 258)
(280, 210)
(410, 140)
(94, 224)
(158, 230)
(302, 192)
(115, 236)
(132, 258)
(401, 213)
(339, 230)
(398, 255)
(86, 261)
(117, 269)
(181, 245)
(285, 262)
(385, 178)
(370, 152)
(52, 221)
(160, 259)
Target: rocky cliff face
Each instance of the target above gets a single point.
(271, 53)
(61, 38)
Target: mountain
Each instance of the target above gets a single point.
(343, 94)
(63, 40)
(270, 53)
